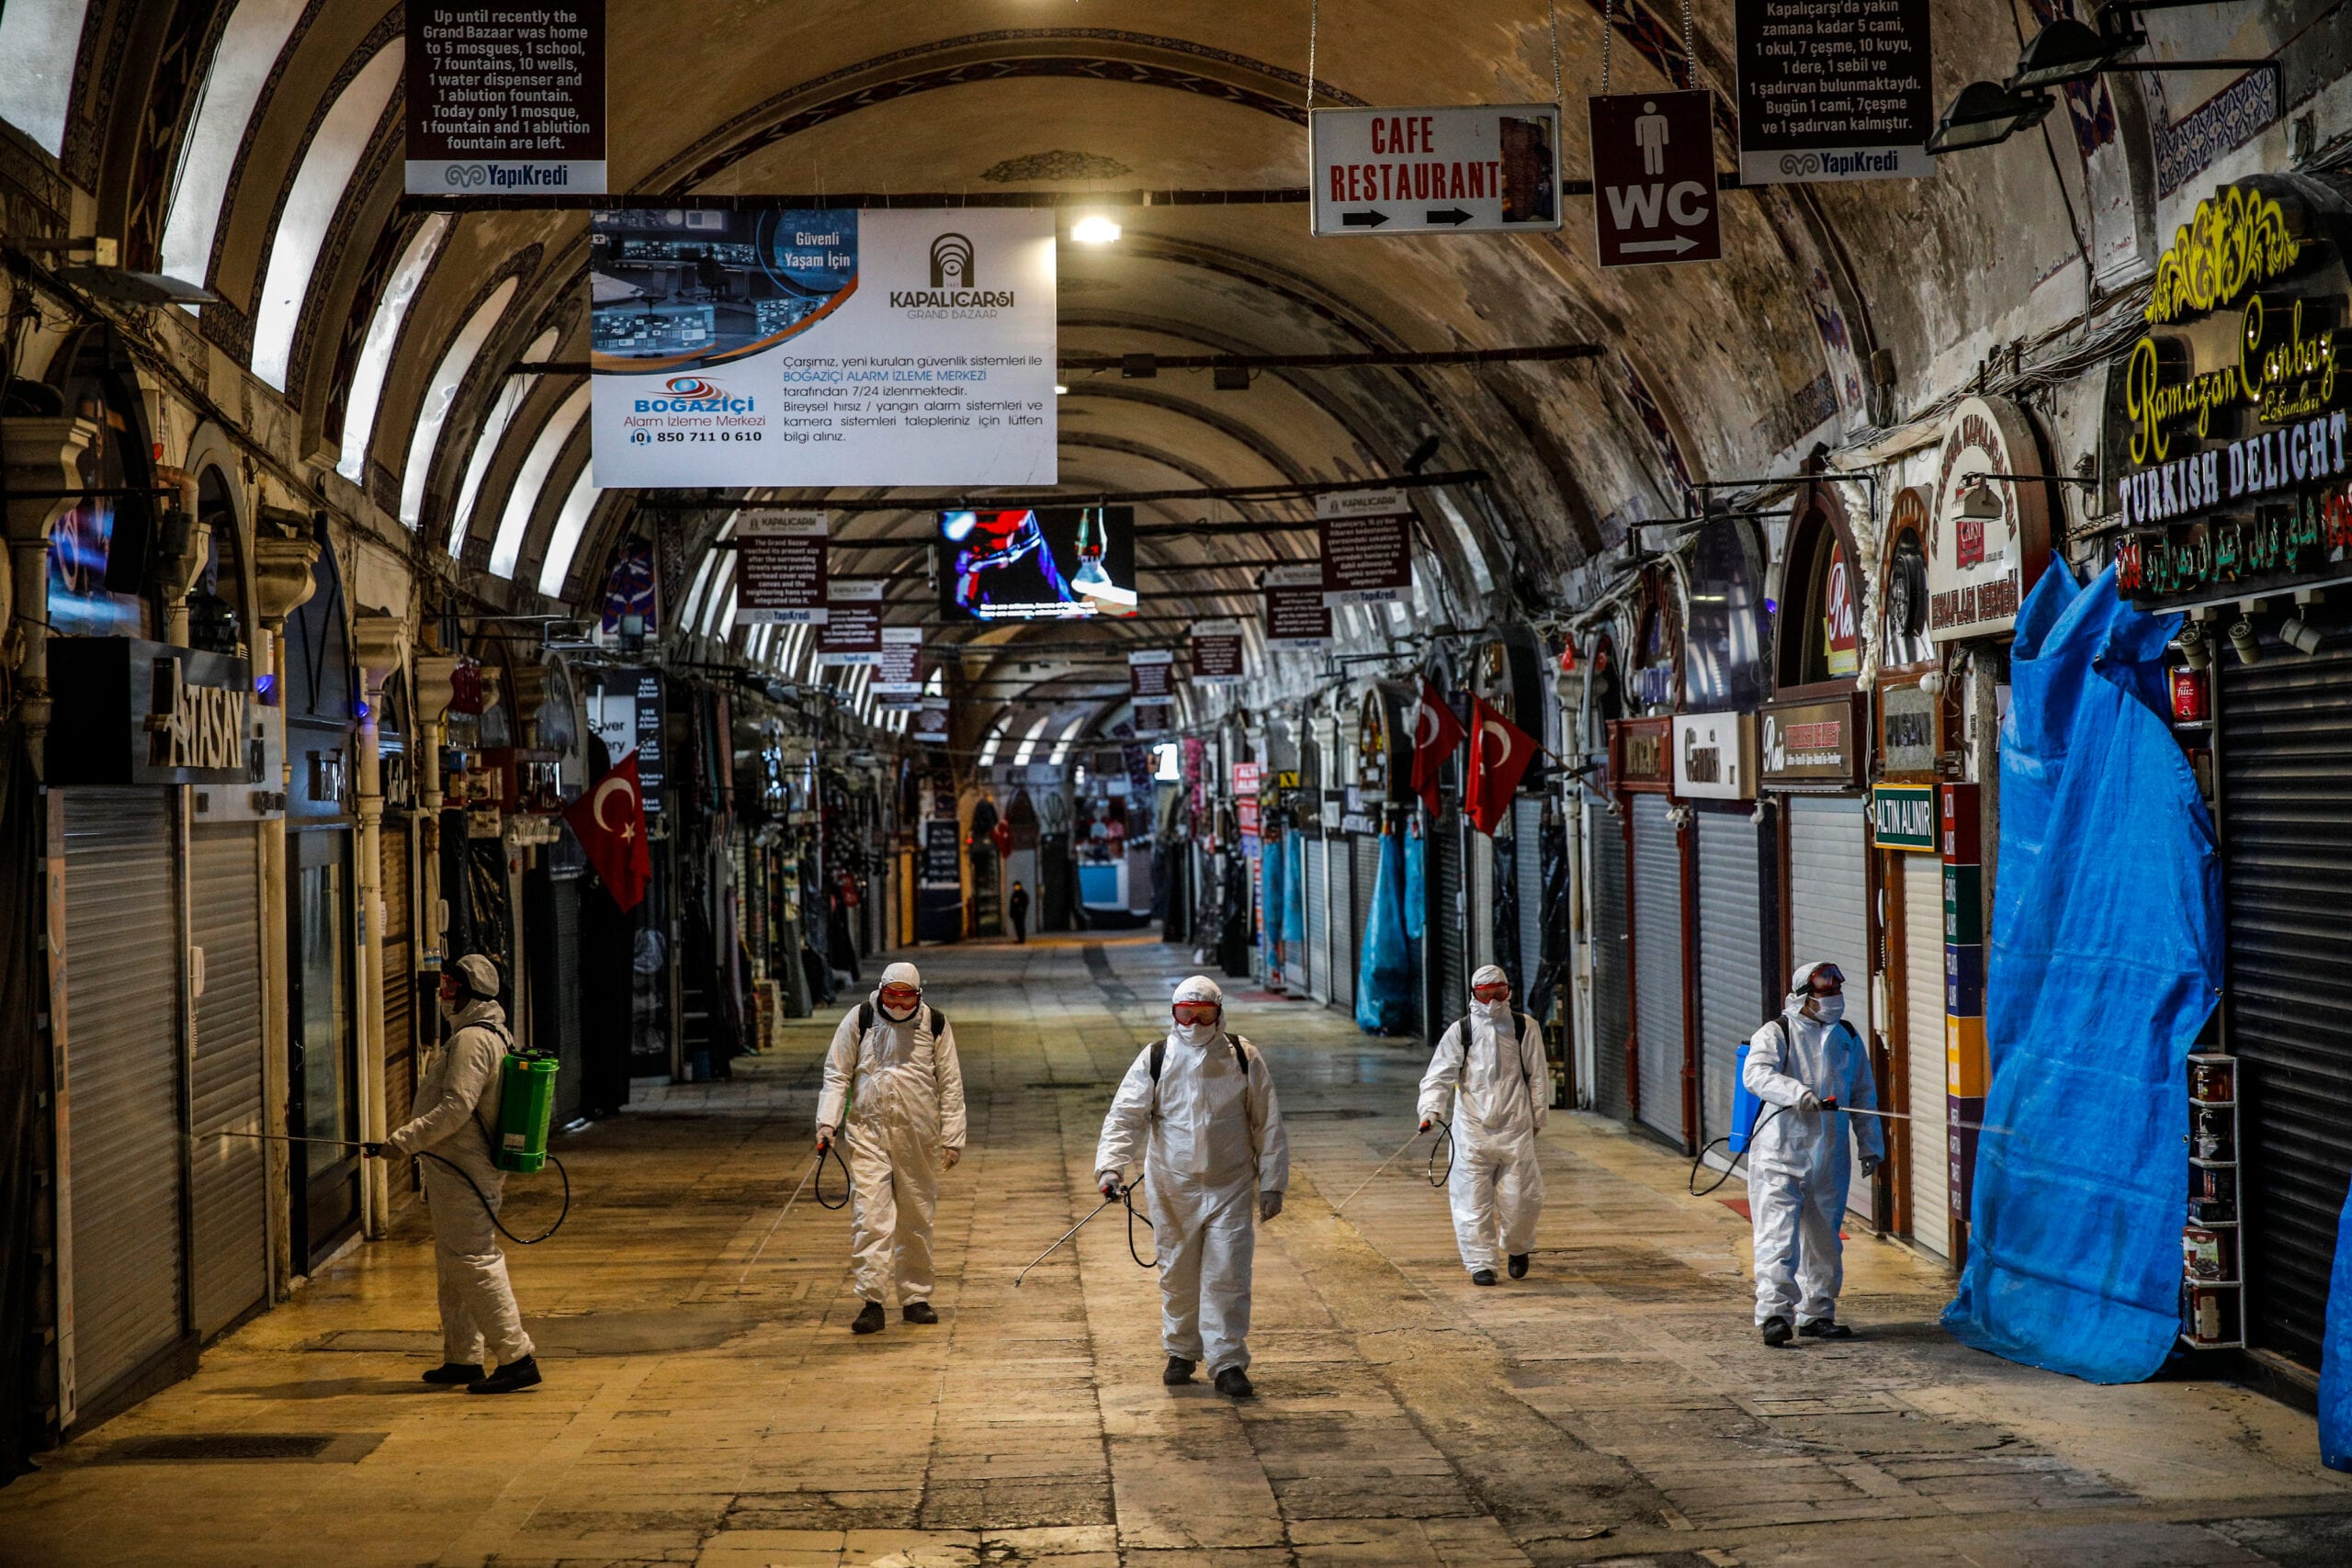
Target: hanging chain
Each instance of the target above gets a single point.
(1608, 36)
(1314, 14)
(1689, 50)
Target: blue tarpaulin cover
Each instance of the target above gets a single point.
(1270, 893)
(1295, 897)
(1416, 897)
(2335, 1355)
(1384, 972)
(2104, 962)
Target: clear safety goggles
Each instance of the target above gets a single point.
(1196, 1012)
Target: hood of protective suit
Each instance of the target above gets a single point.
(897, 975)
(1492, 975)
(1801, 992)
(465, 1014)
(1198, 988)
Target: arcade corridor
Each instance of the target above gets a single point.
(705, 1403)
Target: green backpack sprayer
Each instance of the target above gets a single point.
(520, 1147)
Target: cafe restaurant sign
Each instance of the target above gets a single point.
(2226, 431)
(1811, 745)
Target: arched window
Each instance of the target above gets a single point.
(97, 566)
(511, 398)
(447, 377)
(216, 619)
(39, 40)
(233, 80)
(569, 524)
(531, 480)
(1820, 626)
(312, 204)
(383, 336)
(1028, 747)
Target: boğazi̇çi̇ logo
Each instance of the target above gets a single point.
(693, 394)
(952, 270)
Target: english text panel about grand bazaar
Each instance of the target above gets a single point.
(1065, 783)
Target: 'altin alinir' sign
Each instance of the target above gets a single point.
(2228, 444)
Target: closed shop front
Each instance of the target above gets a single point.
(120, 1114)
(1346, 920)
(1714, 767)
(1641, 770)
(1612, 999)
(1526, 872)
(1448, 911)
(395, 844)
(1318, 977)
(1658, 954)
(227, 1189)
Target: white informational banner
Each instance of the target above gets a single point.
(1216, 653)
(780, 569)
(852, 633)
(1492, 168)
(900, 673)
(504, 99)
(823, 347)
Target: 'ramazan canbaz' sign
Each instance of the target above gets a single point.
(785, 346)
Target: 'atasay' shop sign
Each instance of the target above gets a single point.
(2227, 434)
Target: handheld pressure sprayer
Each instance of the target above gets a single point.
(1120, 1193)
(1437, 1177)
(814, 1173)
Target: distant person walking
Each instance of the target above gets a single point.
(1018, 908)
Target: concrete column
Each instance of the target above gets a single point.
(283, 562)
(40, 456)
(380, 644)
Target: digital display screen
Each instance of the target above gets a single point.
(702, 287)
(1052, 563)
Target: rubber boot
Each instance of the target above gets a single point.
(1234, 1383)
(1178, 1371)
(1776, 1332)
(1519, 1266)
(868, 1319)
(917, 1312)
(1483, 1276)
(455, 1372)
(1825, 1328)
(511, 1378)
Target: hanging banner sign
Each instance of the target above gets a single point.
(1151, 675)
(852, 633)
(1296, 616)
(1654, 178)
(1981, 568)
(1436, 171)
(504, 99)
(780, 569)
(1833, 90)
(786, 347)
(1155, 719)
(1216, 653)
(930, 722)
(1367, 543)
(898, 673)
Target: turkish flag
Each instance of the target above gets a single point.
(1499, 752)
(609, 822)
(1436, 733)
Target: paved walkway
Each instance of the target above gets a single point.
(706, 1404)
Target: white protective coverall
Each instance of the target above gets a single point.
(459, 1095)
(902, 1091)
(1211, 1140)
(1798, 1165)
(1495, 1089)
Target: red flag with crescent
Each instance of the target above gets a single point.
(1499, 753)
(1436, 733)
(609, 822)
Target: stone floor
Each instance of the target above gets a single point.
(706, 1404)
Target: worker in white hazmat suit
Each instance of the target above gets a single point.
(893, 1092)
(1805, 1063)
(459, 1100)
(1489, 1071)
(1198, 1110)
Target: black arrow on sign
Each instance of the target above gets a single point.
(1372, 219)
(1446, 214)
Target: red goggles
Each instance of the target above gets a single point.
(1197, 1012)
(1495, 993)
(901, 995)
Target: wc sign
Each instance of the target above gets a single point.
(1654, 178)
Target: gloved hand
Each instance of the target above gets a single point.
(1107, 1183)
(824, 1136)
(371, 1151)
(1269, 1205)
(1425, 1123)
(951, 1155)
(1808, 1101)
(1870, 1166)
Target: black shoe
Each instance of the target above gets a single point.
(455, 1372)
(1483, 1276)
(1178, 1371)
(1825, 1328)
(868, 1319)
(1234, 1383)
(511, 1378)
(918, 1311)
(1519, 1266)
(1776, 1332)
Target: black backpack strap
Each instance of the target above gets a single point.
(864, 1021)
(938, 1022)
(1158, 1057)
(1241, 1050)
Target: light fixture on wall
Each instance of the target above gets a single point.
(2243, 639)
(1095, 230)
(1986, 113)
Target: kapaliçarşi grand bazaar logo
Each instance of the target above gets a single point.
(953, 268)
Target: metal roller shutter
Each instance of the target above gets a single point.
(1923, 1022)
(1482, 902)
(1319, 919)
(227, 1196)
(1731, 957)
(2286, 822)
(123, 1066)
(1612, 946)
(399, 983)
(1828, 908)
(1527, 816)
(1345, 922)
(1658, 964)
(571, 1062)
(1446, 922)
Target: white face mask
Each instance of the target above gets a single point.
(889, 1011)
(1829, 1010)
(1195, 1033)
